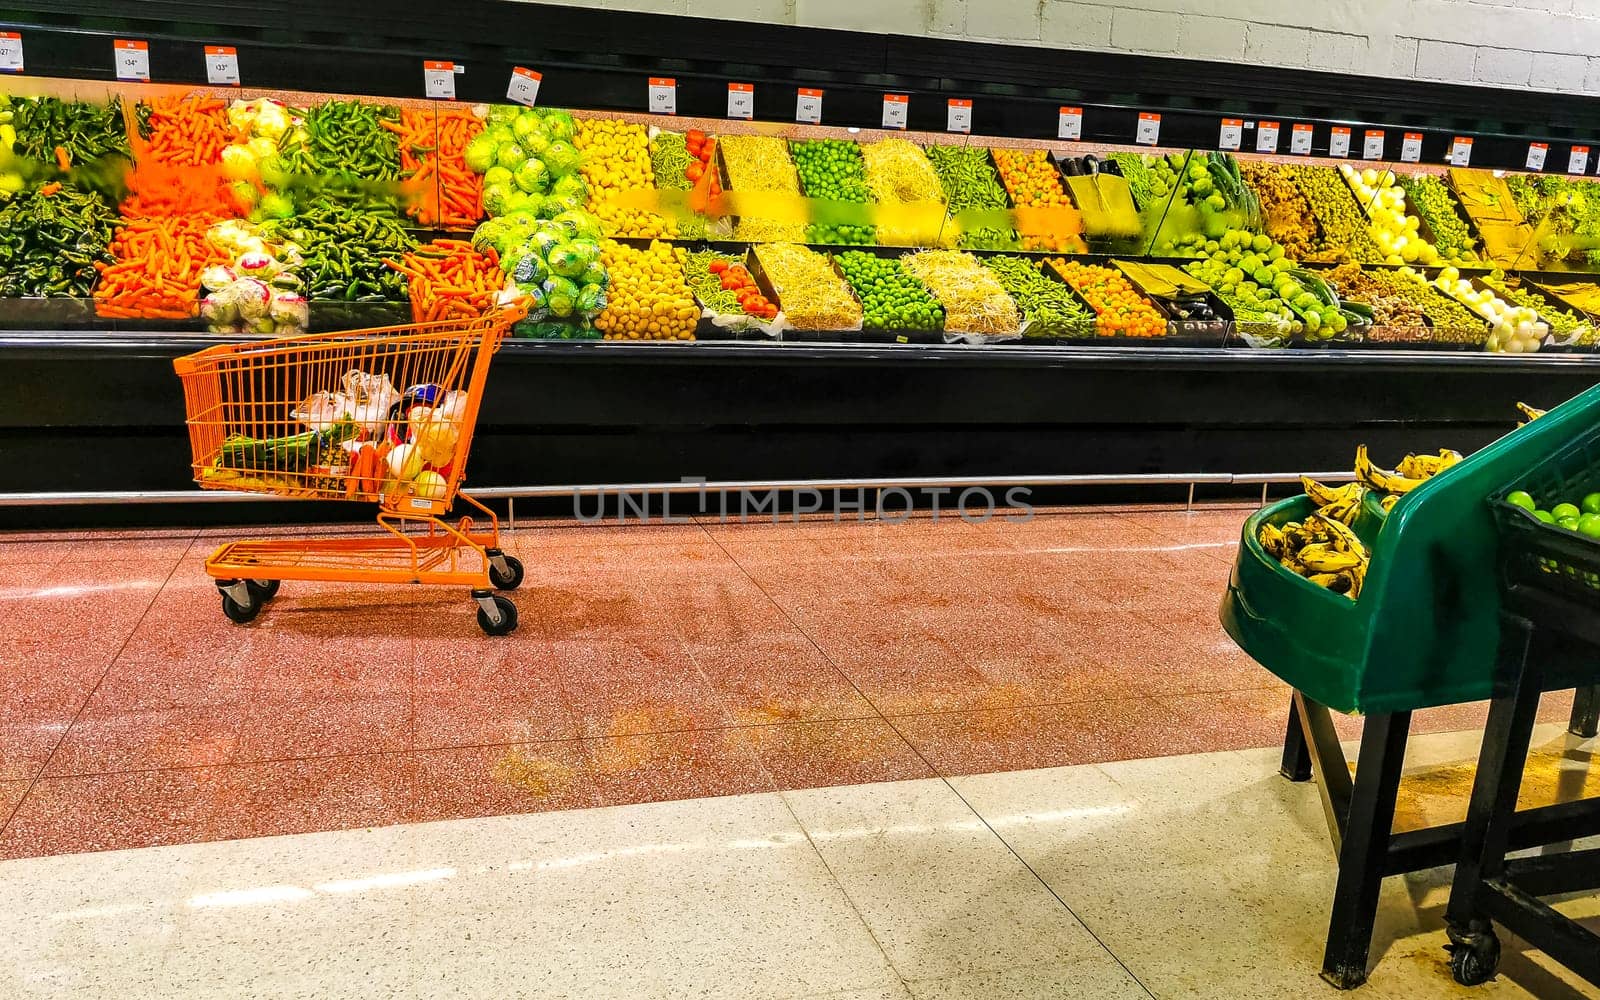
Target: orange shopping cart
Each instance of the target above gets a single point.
(382, 415)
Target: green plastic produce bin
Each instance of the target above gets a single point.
(1426, 628)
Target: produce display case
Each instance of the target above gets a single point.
(1155, 403)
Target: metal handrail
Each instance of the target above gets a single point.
(1190, 479)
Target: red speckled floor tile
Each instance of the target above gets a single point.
(509, 699)
(280, 728)
(778, 677)
(105, 740)
(664, 766)
(497, 780)
(11, 793)
(270, 798)
(619, 689)
(26, 744)
(106, 812)
(843, 752)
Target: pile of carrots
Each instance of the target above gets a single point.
(157, 269)
(450, 280)
(443, 192)
(157, 189)
(187, 131)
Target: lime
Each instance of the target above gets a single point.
(1570, 523)
(1518, 498)
(1589, 524)
(1562, 511)
(1591, 504)
(1545, 516)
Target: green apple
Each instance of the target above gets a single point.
(1591, 504)
(1519, 498)
(1562, 511)
(1545, 516)
(1570, 523)
(1589, 524)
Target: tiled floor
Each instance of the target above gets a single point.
(1203, 877)
(654, 662)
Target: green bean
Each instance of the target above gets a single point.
(971, 183)
(1048, 306)
(707, 287)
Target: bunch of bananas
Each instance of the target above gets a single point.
(1531, 412)
(1322, 549)
(1412, 472)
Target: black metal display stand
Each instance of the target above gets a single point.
(1360, 814)
(1489, 887)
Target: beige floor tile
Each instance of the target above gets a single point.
(940, 892)
(1092, 979)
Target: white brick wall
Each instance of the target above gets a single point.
(1530, 44)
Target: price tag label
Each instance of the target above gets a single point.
(1410, 147)
(663, 95)
(222, 65)
(439, 80)
(741, 100)
(808, 105)
(10, 51)
(132, 59)
(896, 110)
(1536, 155)
(1267, 137)
(1148, 132)
(1339, 141)
(1372, 144)
(958, 115)
(524, 88)
(1070, 124)
(1300, 140)
(1578, 162)
(1231, 134)
(1461, 151)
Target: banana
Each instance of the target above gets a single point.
(1427, 466)
(1388, 502)
(1381, 480)
(1271, 539)
(1355, 580)
(1324, 558)
(1343, 511)
(1531, 412)
(1344, 539)
(1329, 580)
(1322, 496)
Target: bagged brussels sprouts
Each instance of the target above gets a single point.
(566, 260)
(561, 295)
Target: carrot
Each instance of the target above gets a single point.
(449, 279)
(441, 191)
(49, 189)
(157, 269)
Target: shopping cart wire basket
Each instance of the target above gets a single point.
(382, 415)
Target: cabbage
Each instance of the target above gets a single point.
(510, 155)
(526, 124)
(501, 134)
(503, 114)
(562, 158)
(545, 241)
(584, 224)
(571, 186)
(494, 198)
(566, 261)
(591, 300)
(530, 269)
(595, 274)
(521, 203)
(565, 224)
(487, 234)
(532, 177)
(559, 125)
(588, 249)
(536, 144)
(481, 152)
(498, 175)
(538, 305)
(522, 219)
(561, 295)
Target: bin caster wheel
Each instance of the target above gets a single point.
(501, 620)
(239, 613)
(263, 590)
(1474, 957)
(505, 572)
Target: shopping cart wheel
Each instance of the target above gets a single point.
(239, 613)
(505, 572)
(263, 590)
(496, 614)
(1474, 956)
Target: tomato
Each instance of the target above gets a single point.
(694, 171)
(695, 136)
(729, 281)
(718, 266)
